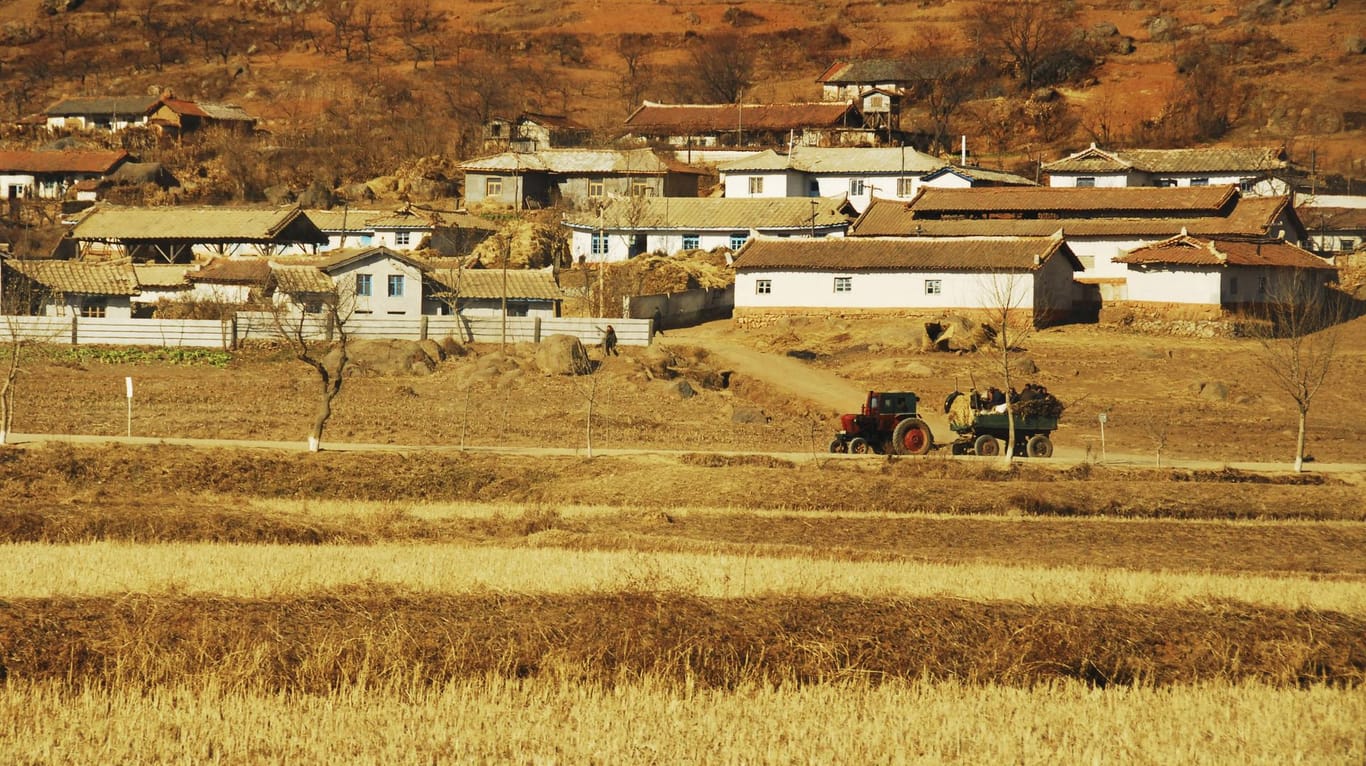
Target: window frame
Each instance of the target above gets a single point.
(1086, 182)
(402, 237)
(493, 186)
(905, 187)
(95, 307)
(858, 187)
(844, 284)
(756, 185)
(598, 244)
(934, 287)
(692, 241)
(365, 285)
(597, 188)
(763, 287)
(395, 285)
(738, 240)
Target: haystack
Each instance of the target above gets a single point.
(526, 244)
(956, 333)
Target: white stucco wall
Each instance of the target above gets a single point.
(24, 182)
(779, 183)
(389, 238)
(871, 290)
(1103, 181)
(1097, 254)
(1189, 285)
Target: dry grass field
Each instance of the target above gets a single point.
(169, 603)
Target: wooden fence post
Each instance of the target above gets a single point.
(536, 331)
(74, 335)
(422, 327)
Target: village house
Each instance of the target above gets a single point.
(111, 113)
(484, 292)
(902, 276)
(1336, 224)
(185, 234)
(576, 177)
(1196, 276)
(404, 230)
(532, 132)
(968, 177)
(176, 117)
(51, 174)
(1255, 171)
(860, 174)
(879, 87)
(687, 127)
(44, 287)
(624, 228)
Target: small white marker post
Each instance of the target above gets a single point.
(129, 382)
(1103, 417)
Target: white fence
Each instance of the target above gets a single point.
(257, 326)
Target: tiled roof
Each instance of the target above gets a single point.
(1196, 251)
(1209, 160)
(1189, 200)
(347, 257)
(103, 105)
(902, 253)
(296, 280)
(489, 283)
(981, 174)
(552, 121)
(200, 224)
(718, 213)
(78, 277)
(867, 71)
(232, 271)
(1250, 217)
(161, 275)
(678, 119)
(61, 161)
(343, 219)
(1332, 219)
(813, 159)
(625, 162)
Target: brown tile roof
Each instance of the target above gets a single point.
(232, 271)
(1332, 219)
(61, 161)
(1000, 200)
(78, 277)
(345, 257)
(1205, 160)
(902, 253)
(522, 284)
(713, 213)
(301, 280)
(1250, 217)
(1197, 251)
(677, 119)
(867, 71)
(569, 161)
(103, 105)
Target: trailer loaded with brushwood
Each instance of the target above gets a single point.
(983, 423)
(888, 423)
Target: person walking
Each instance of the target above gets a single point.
(658, 322)
(609, 342)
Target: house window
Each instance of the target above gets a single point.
(844, 284)
(642, 189)
(364, 285)
(401, 237)
(737, 240)
(905, 187)
(600, 244)
(856, 187)
(1086, 182)
(813, 188)
(493, 187)
(1199, 182)
(597, 187)
(94, 308)
(933, 287)
(756, 185)
(1346, 243)
(395, 285)
(763, 286)
(691, 241)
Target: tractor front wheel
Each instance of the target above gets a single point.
(986, 446)
(912, 437)
(837, 446)
(859, 446)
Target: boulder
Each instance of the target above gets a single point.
(1215, 392)
(432, 349)
(955, 333)
(383, 357)
(1026, 366)
(683, 389)
(748, 415)
(562, 355)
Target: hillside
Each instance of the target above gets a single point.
(352, 91)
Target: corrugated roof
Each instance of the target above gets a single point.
(224, 112)
(61, 161)
(160, 275)
(678, 119)
(981, 174)
(1187, 250)
(232, 271)
(78, 277)
(103, 105)
(1250, 216)
(301, 280)
(626, 162)
(521, 284)
(718, 213)
(1202, 160)
(902, 253)
(1191, 200)
(869, 71)
(343, 219)
(814, 159)
(202, 224)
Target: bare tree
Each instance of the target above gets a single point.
(296, 317)
(419, 26)
(723, 68)
(1026, 32)
(1297, 331)
(1008, 309)
(20, 301)
(946, 77)
(159, 30)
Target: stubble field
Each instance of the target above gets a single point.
(167, 603)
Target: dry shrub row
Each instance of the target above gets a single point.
(116, 473)
(374, 636)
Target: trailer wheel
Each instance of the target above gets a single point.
(1039, 445)
(859, 446)
(911, 437)
(986, 446)
(837, 446)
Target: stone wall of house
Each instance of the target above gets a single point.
(1179, 319)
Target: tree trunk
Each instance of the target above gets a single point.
(315, 435)
(1299, 441)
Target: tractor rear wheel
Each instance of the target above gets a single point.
(986, 446)
(837, 446)
(911, 437)
(859, 446)
(1039, 445)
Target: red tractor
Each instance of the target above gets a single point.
(889, 423)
